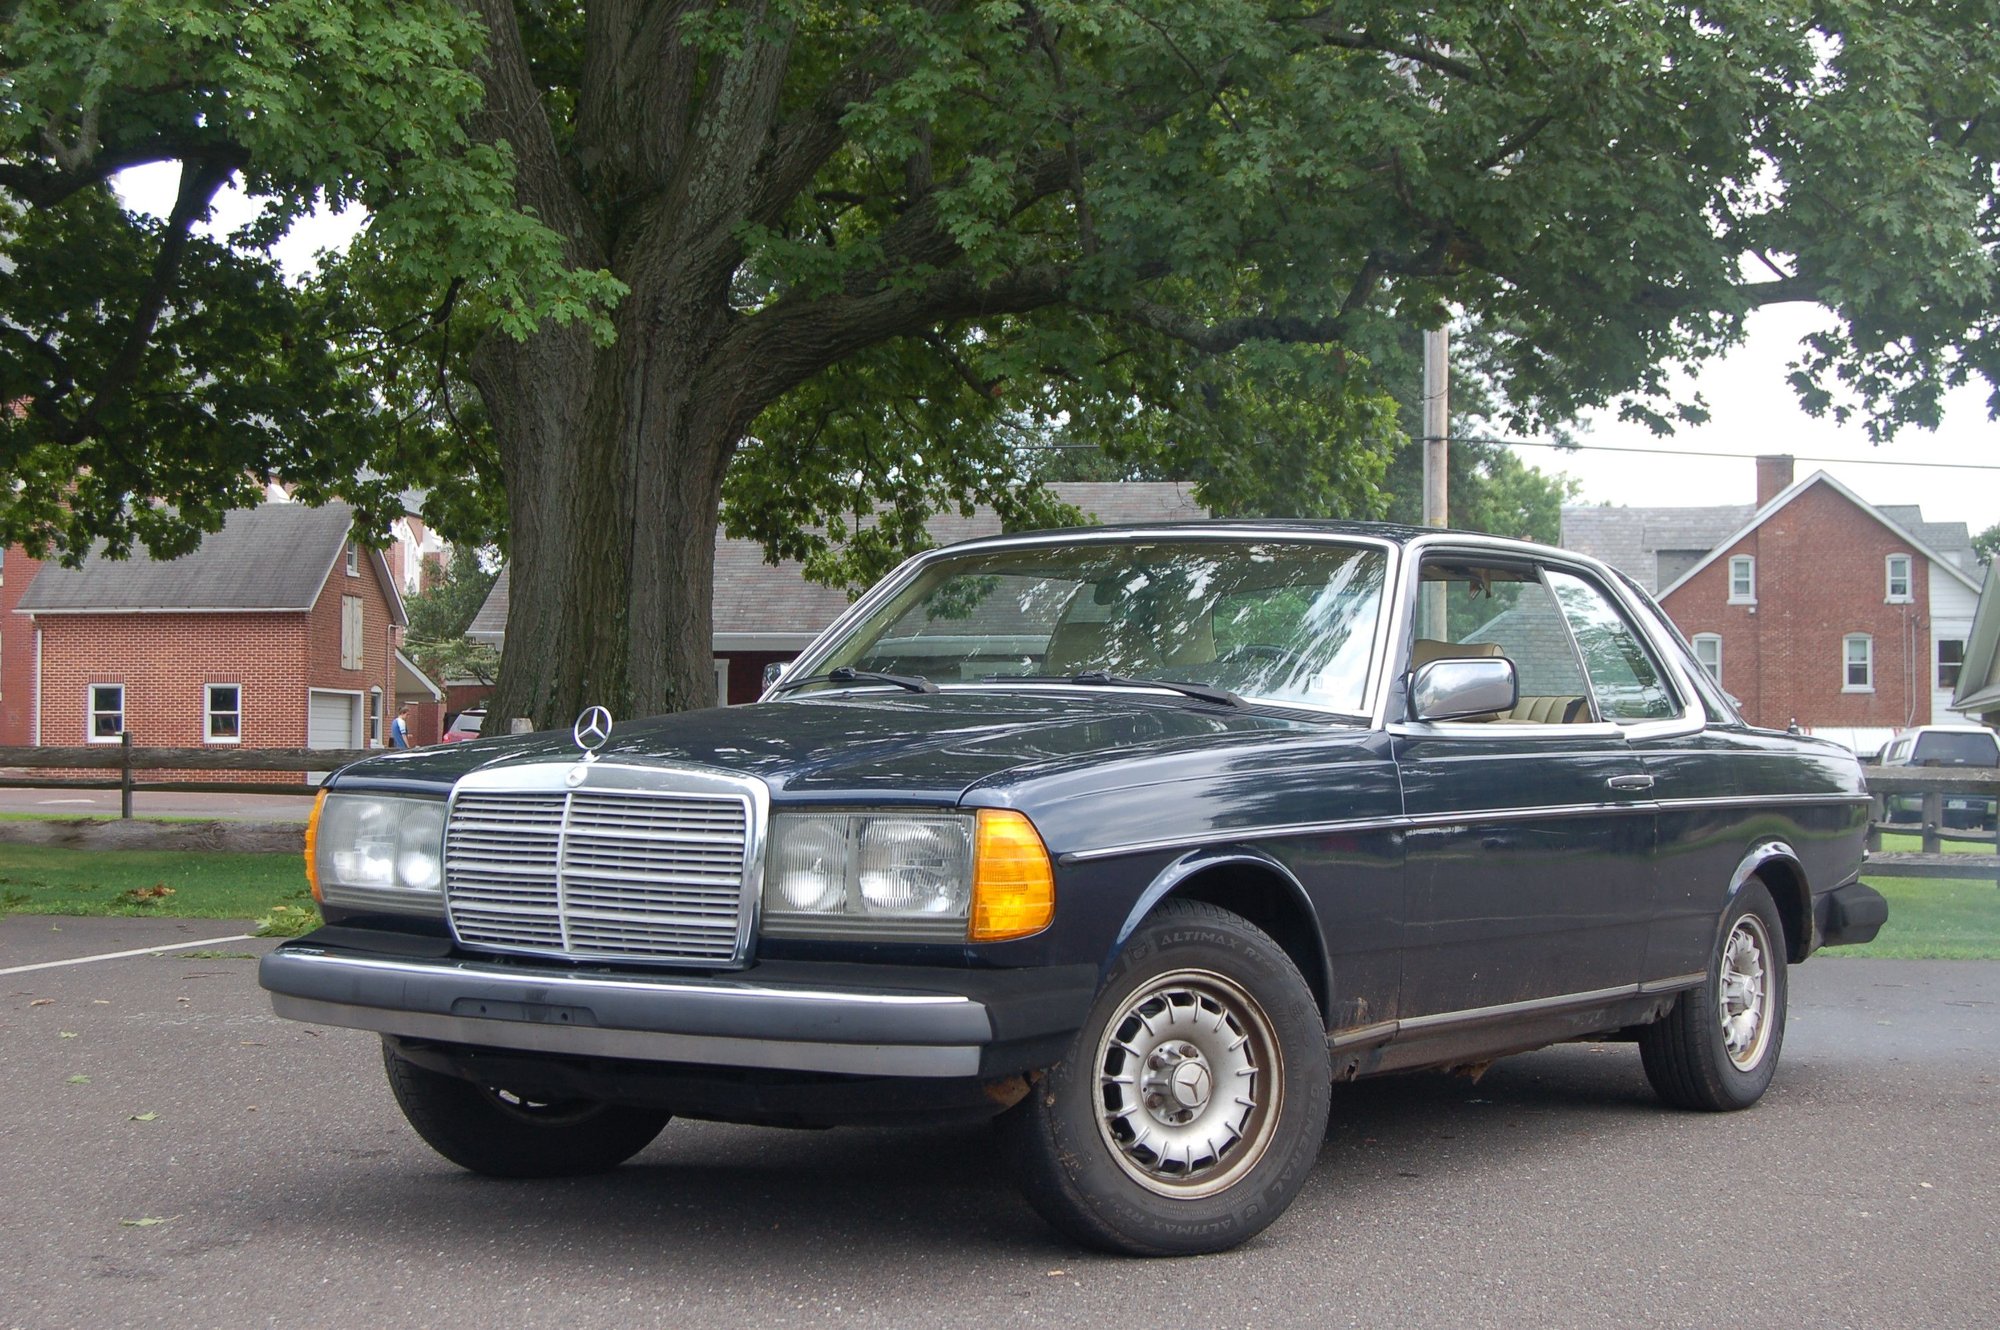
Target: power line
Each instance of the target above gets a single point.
(1728, 457)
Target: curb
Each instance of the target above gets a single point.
(93, 833)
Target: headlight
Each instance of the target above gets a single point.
(912, 877)
(378, 852)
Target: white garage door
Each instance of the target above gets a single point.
(334, 720)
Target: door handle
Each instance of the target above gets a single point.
(1635, 782)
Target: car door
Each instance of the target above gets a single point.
(1530, 854)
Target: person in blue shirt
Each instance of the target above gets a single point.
(399, 728)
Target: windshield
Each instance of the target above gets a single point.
(1963, 748)
(1283, 621)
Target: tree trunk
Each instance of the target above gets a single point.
(614, 459)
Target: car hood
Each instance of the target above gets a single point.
(917, 746)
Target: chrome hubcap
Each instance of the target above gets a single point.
(1745, 992)
(1189, 1084)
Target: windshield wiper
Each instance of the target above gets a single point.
(848, 674)
(1201, 692)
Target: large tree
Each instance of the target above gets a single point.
(618, 245)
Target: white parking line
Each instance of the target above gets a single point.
(121, 955)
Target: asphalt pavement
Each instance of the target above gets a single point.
(173, 1155)
(159, 803)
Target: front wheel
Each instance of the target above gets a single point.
(494, 1131)
(1193, 1101)
(1717, 1049)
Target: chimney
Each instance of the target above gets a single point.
(1774, 476)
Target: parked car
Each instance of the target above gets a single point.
(1133, 840)
(465, 725)
(1944, 746)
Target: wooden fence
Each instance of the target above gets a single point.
(1932, 789)
(121, 763)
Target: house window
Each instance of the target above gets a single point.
(1859, 653)
(350, 632)
(1950, 659)
(374, 717)
(1898, 578)
(354, 558)
(224, 705)
(1708, 654)
(1742, 580)
(107, 712)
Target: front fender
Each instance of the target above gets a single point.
(1296, 927)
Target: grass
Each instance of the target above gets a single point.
(1934, 918)
(41, 879)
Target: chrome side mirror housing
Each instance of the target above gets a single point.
(1455, 689)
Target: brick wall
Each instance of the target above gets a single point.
(1820, 569)
(17, 650)
(165, 661)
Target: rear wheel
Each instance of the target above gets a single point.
(1718, 1048)
(494, 1131)
(1193, 1102)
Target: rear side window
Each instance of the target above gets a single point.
(1628, 685)
(1956, 750)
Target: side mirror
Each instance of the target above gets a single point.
(773, 670)
(1453, 689)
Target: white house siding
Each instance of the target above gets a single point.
(1952, 606)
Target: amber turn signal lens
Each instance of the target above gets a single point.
(1013, 884)
(312, 846)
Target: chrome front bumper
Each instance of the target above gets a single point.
(853, 1019)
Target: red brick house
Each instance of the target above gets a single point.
(278, 632)
(1814, 606)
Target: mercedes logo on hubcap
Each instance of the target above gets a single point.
(593, 727)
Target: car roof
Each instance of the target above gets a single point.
(1395, 533)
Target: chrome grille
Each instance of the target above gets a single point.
(611, 874)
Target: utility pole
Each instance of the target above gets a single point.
(1437, 423)
(1437, 428)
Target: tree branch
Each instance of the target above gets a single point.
(799, 147)
(513, 113)
(200, 179)
(1322, 26)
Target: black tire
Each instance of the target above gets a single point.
(491, 1131)
(1717, 1049)
(1095, 1176)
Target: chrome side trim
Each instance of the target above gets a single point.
(1505, 1010)
(1382, 1032)
(649, 1046)
(1239, 835)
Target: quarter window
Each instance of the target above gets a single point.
(1627, 684)
(107, 712)
(224, 705)
(1898, 577)
(1950, 659)
(1742, 580)
(1708, 654)
(1859, 663)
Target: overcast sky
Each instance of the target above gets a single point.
(1753, 409)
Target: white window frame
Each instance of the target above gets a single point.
(1747, 566)
(1938, 662)
(354, 558)
(721, 681)
(209, 711)
(1890, 595)
(1713, 669)
(91, 711)
(375, 715)
(1848, 662)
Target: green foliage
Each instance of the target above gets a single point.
(1986, 543)
(879, 247)
(439, 617)
(147, 362)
